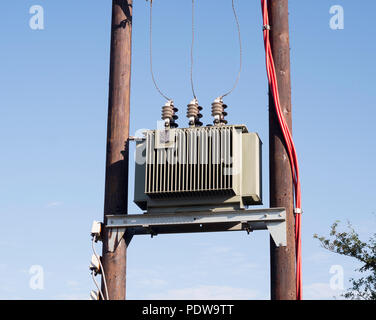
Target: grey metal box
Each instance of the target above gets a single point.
(204, 168)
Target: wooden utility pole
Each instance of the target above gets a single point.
(282, 259)
(117, 156)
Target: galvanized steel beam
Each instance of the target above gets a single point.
(273, 220)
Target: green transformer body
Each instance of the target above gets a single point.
(213, 168)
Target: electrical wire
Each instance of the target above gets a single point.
(272, 79)
(101, 266)
(287, 135)
(192, 44)
(97, 285)
(151, 53)
(240, 52)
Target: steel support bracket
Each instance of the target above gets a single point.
(271, 219)
(115, 236)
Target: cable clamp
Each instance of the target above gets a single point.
(298, 211)
(266, 27)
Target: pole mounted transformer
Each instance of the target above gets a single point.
(213, 168)
(201, 178)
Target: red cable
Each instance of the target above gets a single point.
(272, 79)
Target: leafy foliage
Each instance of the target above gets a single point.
(349, 244)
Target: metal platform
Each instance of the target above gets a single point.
(272, 219)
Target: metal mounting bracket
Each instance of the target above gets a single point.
(115, 236)
(271, 219)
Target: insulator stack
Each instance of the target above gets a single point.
(193, 114)
(169, 114)
(218, 111)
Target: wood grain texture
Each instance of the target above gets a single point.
(117, 154)
(282, 259)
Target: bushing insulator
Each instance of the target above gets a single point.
(218, 112)
(169, 114)
(193, 113)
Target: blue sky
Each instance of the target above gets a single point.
(53, 116)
